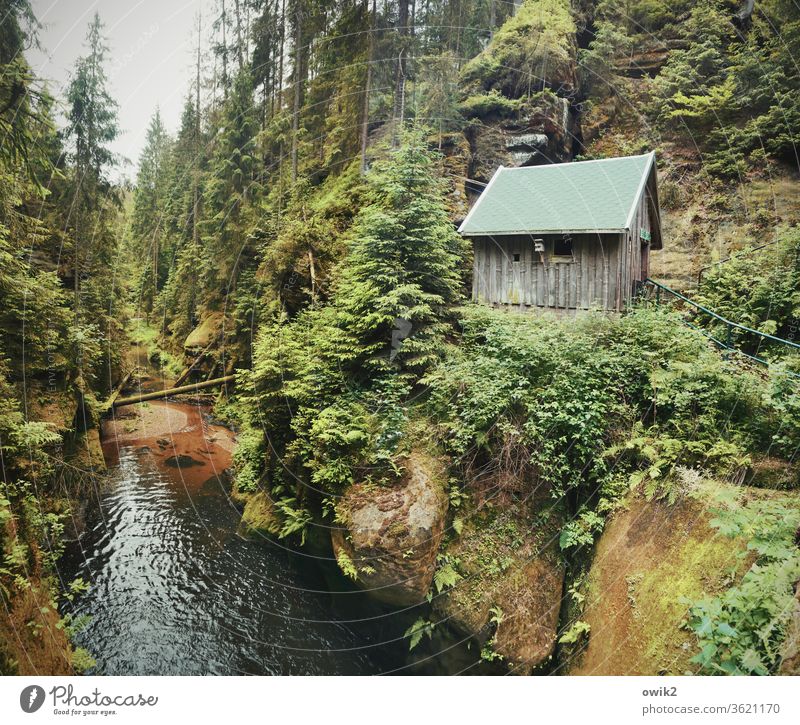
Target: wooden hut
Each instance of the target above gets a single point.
(565, 237)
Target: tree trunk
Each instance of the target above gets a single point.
(368, 84)
(119, 402)
(299, 70)
(313, 273)
(400, 70)
(239, 39)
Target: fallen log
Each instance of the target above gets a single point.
(172, 391)
(120, 386)
(185, 374)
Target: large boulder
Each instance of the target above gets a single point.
(651, 559)
(790, 653)
(512, 577)
(205, 333)
(391, 534)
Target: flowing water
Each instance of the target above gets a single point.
(174, 589)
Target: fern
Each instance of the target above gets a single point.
(346, 565)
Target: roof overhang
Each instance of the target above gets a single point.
(544, 232)
(648, 183)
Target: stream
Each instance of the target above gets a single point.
(174, 589)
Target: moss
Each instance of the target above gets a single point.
(259, 515)
(650, 562)
(535, 46)
(493, 103)
(205, 332)
(504, 556)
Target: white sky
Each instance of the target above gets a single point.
(149, 64)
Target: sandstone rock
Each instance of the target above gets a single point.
(392, 534)
(650, 560)
(205, 332)
(790, 653)
(259, 515)
(512, 581)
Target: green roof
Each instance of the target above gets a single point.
(581, 196)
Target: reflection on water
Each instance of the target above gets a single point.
(174, 589)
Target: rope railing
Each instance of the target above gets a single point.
(729, 324)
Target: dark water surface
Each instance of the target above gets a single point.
(175, 590)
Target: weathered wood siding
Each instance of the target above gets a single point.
(601, 273)
(543, 280)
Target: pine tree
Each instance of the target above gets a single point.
(403, 271)
(149, 208)
(93, 126)
(92, 116)
(230, 187)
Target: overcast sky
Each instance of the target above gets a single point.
(149, 64)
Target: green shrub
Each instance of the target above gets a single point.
(740, 631)
(487, 104)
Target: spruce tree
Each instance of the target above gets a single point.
(230, 187)
(403, 271)
(149, 208)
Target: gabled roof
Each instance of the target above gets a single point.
(578, 197)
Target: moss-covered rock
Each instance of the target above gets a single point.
(259, 515)
(534, 49)
(651, 561)
(391, 534)
(509, 593)
(205, 333)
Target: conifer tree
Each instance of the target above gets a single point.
(92, 115)
(230, 186)
(404, 266)
(149, 208)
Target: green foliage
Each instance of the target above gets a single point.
(417, 631)
(577, 631)
(530, 51)
(733, 94)
(446, 574)
(346, 367)
(148, 218)
(488, 104)
(347, 566)
(230, 183)
(581, 530)
(92, 110)
(591, 407)
(740, 631)
(759, 289)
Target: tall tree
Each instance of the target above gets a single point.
(149, 206)
(92, 115)
(230, 186)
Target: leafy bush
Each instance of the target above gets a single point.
(486, 104)
(740, 631)
(586, 409)
(330, 387)
(759, 289)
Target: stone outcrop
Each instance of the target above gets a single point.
(790, 652)
(392, 534)
(205, 333)
(509, 596)
(651, 559)
(522, 92)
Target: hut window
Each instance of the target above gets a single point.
(516, 257)
(562, 247)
